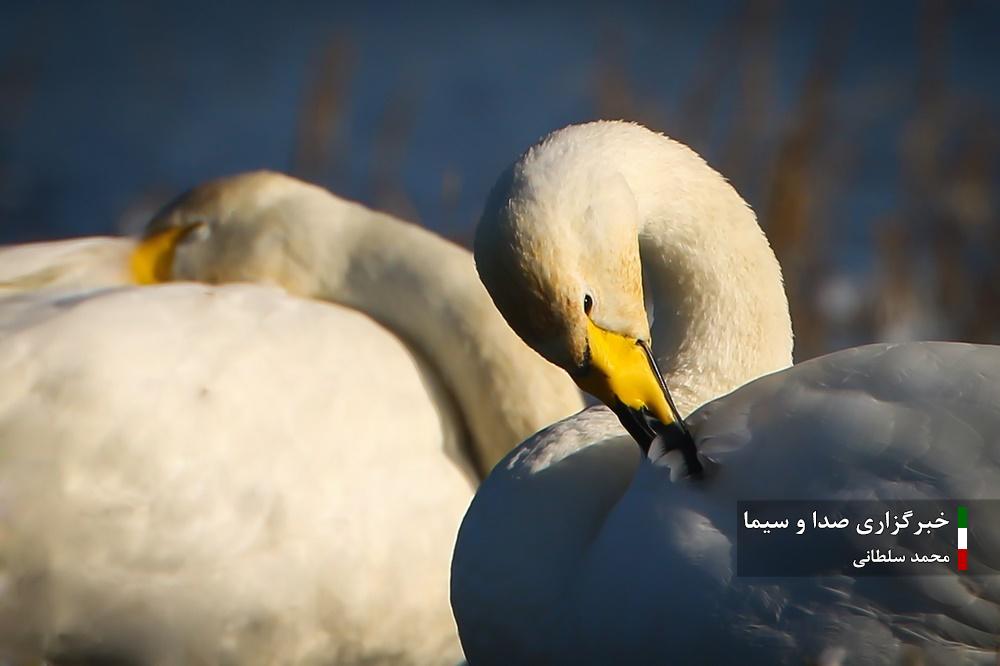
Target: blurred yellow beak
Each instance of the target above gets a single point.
(153, 258)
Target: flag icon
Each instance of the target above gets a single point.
(963, 538)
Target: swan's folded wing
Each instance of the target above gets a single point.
(883, 422)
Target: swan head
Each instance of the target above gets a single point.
(558, 250)
(219, 231)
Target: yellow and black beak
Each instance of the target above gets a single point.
(620, 371)
(152, 259)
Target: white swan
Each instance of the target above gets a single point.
(230, 474)
(577, 550)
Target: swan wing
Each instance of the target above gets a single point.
(574, 551)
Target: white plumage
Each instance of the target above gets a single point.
(77, 263)
(232, 474)
(186, 478)
(578, 551)
(615, 563)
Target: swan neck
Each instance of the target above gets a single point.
(718, 307)
(426, 290)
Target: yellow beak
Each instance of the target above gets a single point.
(621, 371)
(623, 375)
(153, 257)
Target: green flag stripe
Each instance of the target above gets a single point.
(963, 516)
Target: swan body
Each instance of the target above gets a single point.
(181, 485)
(578, 550)
(252, 474)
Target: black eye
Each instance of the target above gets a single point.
(588, 303)
(196, 231)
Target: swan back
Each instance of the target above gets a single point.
(576, 552)
(188, 476)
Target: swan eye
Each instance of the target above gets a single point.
(588, 304)
(197, 231)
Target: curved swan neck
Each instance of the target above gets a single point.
(719, 309)
(426, 290)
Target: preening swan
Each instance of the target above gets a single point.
(232, 474)
(578, 550)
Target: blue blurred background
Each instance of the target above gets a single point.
(865, 134)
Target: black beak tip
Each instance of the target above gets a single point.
(674, 437)
(656, 439)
